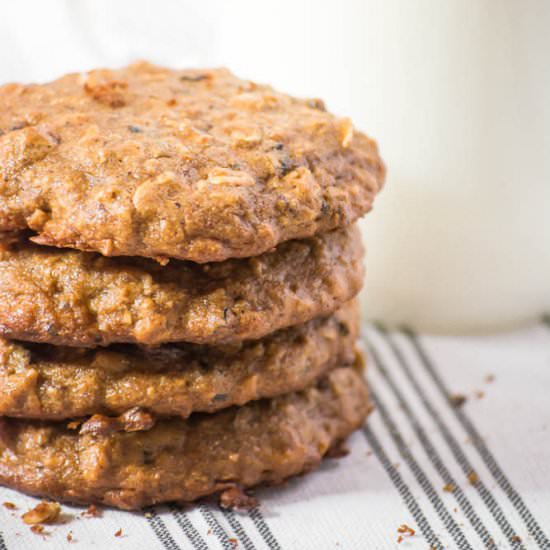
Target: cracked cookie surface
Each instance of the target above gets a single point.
(195, 165)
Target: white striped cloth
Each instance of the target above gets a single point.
(463, 477)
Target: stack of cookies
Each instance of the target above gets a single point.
(178, 270)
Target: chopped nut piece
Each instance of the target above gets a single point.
(136, 420)
(237, 498)
(449, 487)
(10, 505)
(516, 538)
(44, 512)
(70, 536)
(234, 542)
(99, 424)
(118, 533)
(133, 420)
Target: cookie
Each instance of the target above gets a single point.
(50, 382)
(132, 462)
(68, 297)
(195, 165)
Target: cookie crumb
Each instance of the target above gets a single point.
(457, 400)
(39, 530)
(237, 498)
(449, 487)
(406, 531)
(9, 505)
(43, 512)
(92, 512)
(70, 537)
(118, 533)
(516, 538)
(490, 378)
(473, 478)
(234, 542)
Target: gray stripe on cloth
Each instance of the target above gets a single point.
(238, 528)
(184, 521)
(431, 452)
(216, 527)
(406, 454)
(161, 531)
(403, 490)
(460, 456)
(263, 528)
(494, 468)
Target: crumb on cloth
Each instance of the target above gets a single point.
(43, 512)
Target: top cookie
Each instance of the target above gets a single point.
(195, 165)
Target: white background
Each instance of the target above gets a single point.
(457, 93)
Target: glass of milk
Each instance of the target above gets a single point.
(460, 238)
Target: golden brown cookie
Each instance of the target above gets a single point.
(105, 460)
(195, 165)
(50, 382)
(68, 297)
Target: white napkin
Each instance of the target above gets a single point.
(461, 476)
